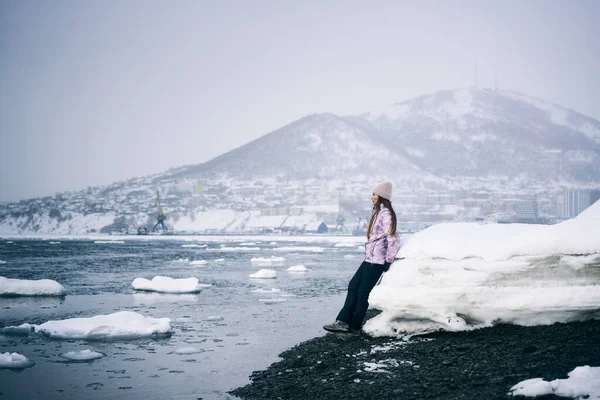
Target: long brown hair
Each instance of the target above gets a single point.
(387, 204)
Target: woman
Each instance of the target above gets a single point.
(382, 245)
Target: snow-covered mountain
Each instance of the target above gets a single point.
(499, 144)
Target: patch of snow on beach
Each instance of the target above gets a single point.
(582, 383)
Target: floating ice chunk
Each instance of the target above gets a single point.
(578, 262)
(233, 249)
(53, 242)
(219, 260)
(21, 330)
(214, 318)
(3, 262)
(273, 290)
(248, 244)
(182, 260)
(272, 243)
(23, 287)
(15, 360)
(203, 246)
(297, 269)
(264, 274)
(583, 382)
(189, 350)
(9, 242)
(275, 300)
(165, 284)
(119, 325)
(199, 262)
(300, 248)
(263, 260)
(83, 355)
(109, 241)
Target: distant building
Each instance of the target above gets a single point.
(526, 211)
(572, 202)
(594, 196)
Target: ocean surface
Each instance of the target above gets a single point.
(237, 329)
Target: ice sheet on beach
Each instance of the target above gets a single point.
(23, 287)
(14, 361)
(458, 276)
(119, 325)
(165, 284)
(582, 383)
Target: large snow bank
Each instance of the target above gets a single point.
(458, 275)
(582, 383)
(165, 284)
(23, 287)
(119, 325)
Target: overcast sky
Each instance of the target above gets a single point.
(92, 92)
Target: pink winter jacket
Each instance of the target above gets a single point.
(381, 247)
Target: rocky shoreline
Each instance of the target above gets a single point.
(479, 364)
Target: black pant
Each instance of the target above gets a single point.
(357, 299)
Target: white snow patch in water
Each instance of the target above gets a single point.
(264, 274)
(83, 355)
(24, 287)
(165, 284)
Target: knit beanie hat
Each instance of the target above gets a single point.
(384, 190)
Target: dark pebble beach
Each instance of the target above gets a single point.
(478, 364)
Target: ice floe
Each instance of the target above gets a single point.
(116, 326)
(15, 361)
(82, 355)
(582, 383)
(233, 249)
(23, 287)
(297, 269)
(214, 318)
(272, 290)
(267, 260)
(109, 241)
(165, 284)
(189, 350)
(198, 262)
(3, 262)
(308, 249)
(264, 274)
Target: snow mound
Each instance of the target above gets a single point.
(459, 276)
(15, 360)
(83, 355)
(165, 284)
(264, 260)
(120, 325)
(264, 274)
(23, 287)
(297, 269)
(582, 383)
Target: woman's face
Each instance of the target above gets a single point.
(374, 198)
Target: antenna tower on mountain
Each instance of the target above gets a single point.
(161, 215)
